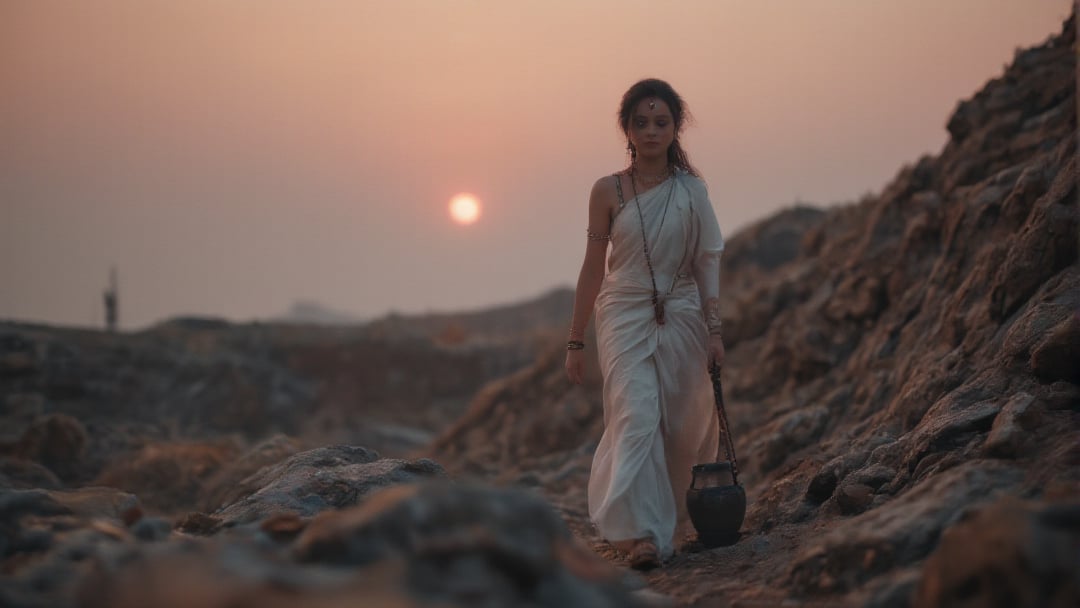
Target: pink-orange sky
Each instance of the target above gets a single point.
(232, 157)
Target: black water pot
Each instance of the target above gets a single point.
(716, 504)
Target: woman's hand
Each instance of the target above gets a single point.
(575, 366)
(716, 351)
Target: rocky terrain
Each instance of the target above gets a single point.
(903, 381)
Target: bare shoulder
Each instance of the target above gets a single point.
(603, 193)
(604, 185)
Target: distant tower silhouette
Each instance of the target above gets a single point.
(112, 295)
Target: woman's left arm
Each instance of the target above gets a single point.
(706, 268)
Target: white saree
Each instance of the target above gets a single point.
(659, 414)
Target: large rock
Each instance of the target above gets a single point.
(236, 479)
(467, 545)
(898, 533)
(1010, 554)
(46, 534)
(320, 479)
(1012, 426)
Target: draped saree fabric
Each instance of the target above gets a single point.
(659, 414)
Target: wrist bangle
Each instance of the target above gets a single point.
(575, 345)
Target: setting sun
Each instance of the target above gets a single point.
(464, 208)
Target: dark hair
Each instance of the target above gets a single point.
(654, 87)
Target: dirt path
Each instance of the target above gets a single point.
(744, 575)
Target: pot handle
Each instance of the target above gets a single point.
(725, 443)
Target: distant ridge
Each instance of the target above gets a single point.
(309, 311)
(550, 309)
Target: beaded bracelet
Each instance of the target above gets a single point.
(712, 320)
(575, 345)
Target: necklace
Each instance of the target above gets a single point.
(657, 302)
(649, 181)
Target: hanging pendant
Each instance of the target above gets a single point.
(658, 310)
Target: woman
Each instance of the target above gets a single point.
(657, 328)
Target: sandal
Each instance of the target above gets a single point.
(644, 556)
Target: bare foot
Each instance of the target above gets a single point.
(644, 556)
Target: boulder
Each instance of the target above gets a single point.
(232, 481)
(467, 545)
(320, 479)
(1012, 426)
(854, 498)
(1010, 554)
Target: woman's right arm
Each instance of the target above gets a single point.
(601, 203)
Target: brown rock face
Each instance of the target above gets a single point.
(854, 498)
(897, 533)
(1010, 432)
(1008, 555)
(1057, 357)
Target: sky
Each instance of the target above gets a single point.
(232, 157)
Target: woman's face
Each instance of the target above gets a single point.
(652, 128)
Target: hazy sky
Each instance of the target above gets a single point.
(233, 156)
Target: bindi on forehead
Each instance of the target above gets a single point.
(652, 106)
